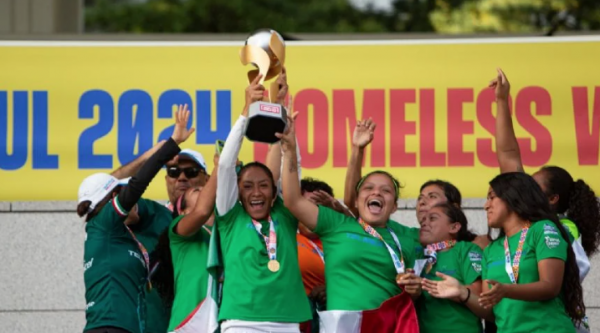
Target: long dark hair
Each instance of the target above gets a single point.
(524, 197)
(163, 278)
(578, 202)
(456, 215)
(259, 165)
(452, 193)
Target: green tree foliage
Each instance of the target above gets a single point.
(339, 16)
(516, 16)
(182, 16)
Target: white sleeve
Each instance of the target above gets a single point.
(298, 159)
(583, 262)
(227, 188)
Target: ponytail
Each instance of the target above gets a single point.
(578, 202)
(584, 210)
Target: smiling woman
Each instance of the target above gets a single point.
(370, 256)
(261, 273)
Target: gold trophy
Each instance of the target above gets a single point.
(265, 50)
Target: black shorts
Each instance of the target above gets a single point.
(107, 330)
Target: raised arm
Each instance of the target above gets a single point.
(131, 168)
(300, 207)
(137, 185)
(227, 188)
(507, 146)
(362, 137)
(191, 223)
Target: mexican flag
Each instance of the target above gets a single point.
(204, 319)
(395, 315)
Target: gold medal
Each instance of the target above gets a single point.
(273, 265)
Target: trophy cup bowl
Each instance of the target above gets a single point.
(262, 38)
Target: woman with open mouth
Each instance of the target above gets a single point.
(263, 290)
(432, 192)
(368, 259)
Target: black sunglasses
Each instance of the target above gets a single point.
(190, 172)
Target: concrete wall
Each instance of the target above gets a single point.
(41, 270)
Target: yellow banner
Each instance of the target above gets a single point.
(71, 109)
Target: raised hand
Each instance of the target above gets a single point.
(181, 132)
(448, 287)
(363, 133)
(283, 87)
(288, 137)
(493, 296)
(500, 85)
(254, 93)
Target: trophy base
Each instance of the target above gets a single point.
(263, 129)
(264, 120)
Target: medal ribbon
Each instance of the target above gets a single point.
(271, 241)
(144, 254)
(432, 249)
(398, 262)
(513, 270)
(319, 252)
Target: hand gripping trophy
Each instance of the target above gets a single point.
(265, 50)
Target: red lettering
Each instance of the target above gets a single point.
(302, 102)
(260, 152)
(344, 118)
(588, 137)
(344, 122)
(400, 128)
(374, 108)
(485, 150)
(524, 115)
(429, 157)
(457, 128)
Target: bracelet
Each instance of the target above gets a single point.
(468, 296)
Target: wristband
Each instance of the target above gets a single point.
(468, 296)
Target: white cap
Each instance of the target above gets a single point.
(96, 187)
(194, 156)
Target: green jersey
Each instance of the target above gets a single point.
(251, 291)
(115, 273)
(359, 264)
(543, 241)
(410, 232)
(154, 220)
(463, 262)
(190, 255)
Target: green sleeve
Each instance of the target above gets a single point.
(150, 212)
(408, 251)
(410, 232)
(176, 238)
(111, 217)
(572, 228)
(329, 221)
(471, 266)
(225, 221)
(281, 209)
(548, 242)
(486, 254)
